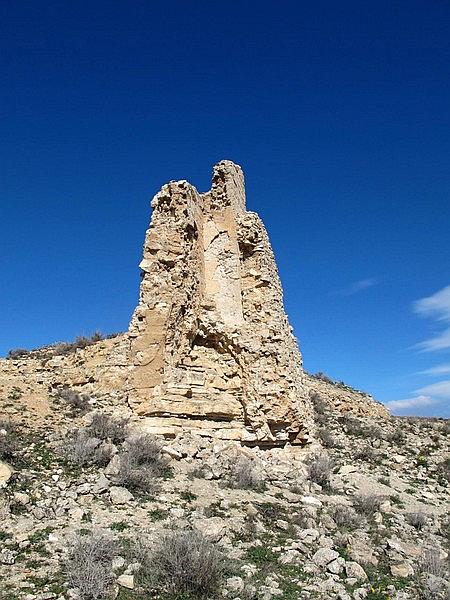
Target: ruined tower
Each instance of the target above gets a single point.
(211, 349)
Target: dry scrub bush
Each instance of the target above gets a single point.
(417, 520)
(103, 454)
(145, 449)
(142, 464)
(82, 449)
(9, 440)
(327, 438)
(320, 468)
(366, 453)
(346, 517)
(444, 469)
(432, 564)
(135, 478)
(321, 406)
(367, 504)
(89, 565)
(397, 437)
(77, 403)
(107, 427)
(183, 564)
(244, 475)
(17, 353)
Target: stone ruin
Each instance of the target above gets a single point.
(210, 344)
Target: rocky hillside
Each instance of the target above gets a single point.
(192, 457)
(94, 508)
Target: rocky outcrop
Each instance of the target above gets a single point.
(211, 346)
(344, 398)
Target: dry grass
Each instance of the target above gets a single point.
(142, 464)
(367, 504)
(320, 468)
(183, 564)
(107, 427)
(88, 565)
(244, 475)
(9, 440)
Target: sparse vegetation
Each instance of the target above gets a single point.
(417, 519)
(89, 565)
(327, 438)
(184, 564)
(321, 406)
(60, 348)
(346, 517)
(244, 475)
(263, 533)
(432, 564)
(82, 449)
(17, 353)
(444, 470)
(366, 453)
(367, 504)
(76, 402)
(9, 440)
(107, 427)
(142, 464)
(320, 468)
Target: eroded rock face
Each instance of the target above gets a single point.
(211, 346)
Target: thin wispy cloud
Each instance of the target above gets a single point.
(357, 286)
(436, 307)
(437, 342)
(443, 369)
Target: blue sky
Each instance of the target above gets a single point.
(339, 114)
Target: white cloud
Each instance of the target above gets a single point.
(358, 286)
(438, 342)
(440, 389)
(436, 395)
(443, 369)
(437, 307)
(416, 402)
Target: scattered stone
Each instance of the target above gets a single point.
(120, 495)
(21, 498)
(7, 557)
(403, 569)
(5, 473)
(336, 566)
(347, 469)
(101, 485)
(323, 556)
(355, 571)
(126, 581)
